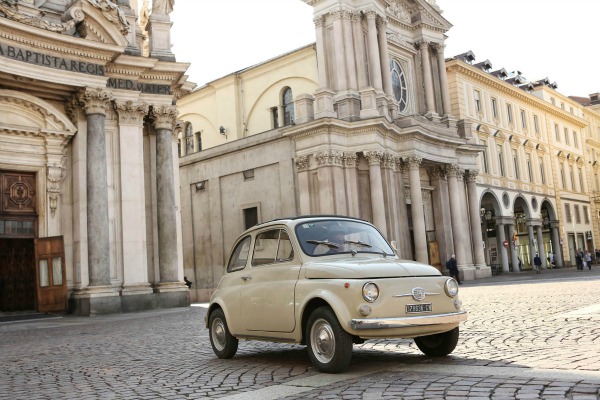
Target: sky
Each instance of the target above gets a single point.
(556, 39)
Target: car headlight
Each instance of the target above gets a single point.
(451, 287)
(370, 292)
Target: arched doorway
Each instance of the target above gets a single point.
(553, 244)
(488, 212)
(523, 236)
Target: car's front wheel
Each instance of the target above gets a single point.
(329, 345)
(438, 345)
(224, 344)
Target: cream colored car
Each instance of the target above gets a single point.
(329, 282)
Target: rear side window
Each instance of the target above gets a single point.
(239, 257)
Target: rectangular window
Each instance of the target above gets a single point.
(575, 141)
(595, 182)
(494, 107)
(198, 141)
(577, 214)
(586, 215)
(529, 171)
(516, 164)
(562, 177)
(581, 187)
(536, 124)
(552, 101)
(275, 117)
(484, 159)
(500, 160)
(562, 105)
(509, 114)
(542, 171)
(477, 99)
(250, 217)
(568, 213)
(567, 136)
(572, 175)
(523, 119)
(556, 132)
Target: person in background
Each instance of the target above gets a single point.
(588, 260)
(537, 262)
(453, 268)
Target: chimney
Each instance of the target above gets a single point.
(595, 98)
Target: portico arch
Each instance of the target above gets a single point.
(551, 235)
(524, 235)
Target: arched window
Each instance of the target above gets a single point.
(288, 107)
(189, 139)
(399, 85)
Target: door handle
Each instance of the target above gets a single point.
(245, 278)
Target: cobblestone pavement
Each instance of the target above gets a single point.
(528, 337)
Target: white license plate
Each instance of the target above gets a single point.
(418, 308)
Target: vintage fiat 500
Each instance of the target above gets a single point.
(329, 282)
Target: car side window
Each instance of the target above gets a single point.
(272, 246)
(239, 257)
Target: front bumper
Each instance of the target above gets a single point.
(409, 322)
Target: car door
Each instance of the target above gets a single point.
(267, 300)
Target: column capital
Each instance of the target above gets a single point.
(389, 161)
(131, 113)
(319, 21)
(414, 162)
(356, 16)
(453, 170)
(438, 47)
(422, 45)
(374, 157)
(302, 162)
(382, 23)
(164, 117)
(471, 175)
(94, 100)
(436, 173)
(350, 159)
(371, 13)
(329, 158)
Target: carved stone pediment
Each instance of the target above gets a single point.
(417, 12)
(104, 22)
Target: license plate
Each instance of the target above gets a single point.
(418, 308)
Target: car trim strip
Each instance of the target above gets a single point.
(408, 322)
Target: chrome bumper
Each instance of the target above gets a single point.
(409, 322)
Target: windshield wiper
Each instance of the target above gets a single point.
(325, 242)
(358, 242)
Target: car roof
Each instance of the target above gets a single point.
(300, 218)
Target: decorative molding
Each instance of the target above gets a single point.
(374, 157)
(437, 173)
(113, 13)
(471, 175)
(95, 100)
(9, 11)
(302, 162)
(55, 174)
(453, 170)
(389, 161)
(413, 162)
(131, 113)
(350, 159)
(400, 10)
(325, 158)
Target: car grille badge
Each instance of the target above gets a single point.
(418, 293)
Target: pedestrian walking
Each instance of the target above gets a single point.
(537, 262)
(453, 268)
(550, 260)
(588, 260)
(579, 259)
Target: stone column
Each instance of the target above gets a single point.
(325, 194)
(514, 255)
(390, 193)
(442, 215)
(532, 248)
(349, 50)
(164, 120)
(376, 185)
(465, 226)
(455, 210)
(541, 250)
(303, 184)
(359, 48)
(418, 218)
(95, 103)
(443, 79)
(385, 69)
(404, 244)
(476, 236)
(374, 59)
(351, 179)
(426, 64)
(503, 250)
(338, 46)
(133, 213)
(321, 59)
(556, 247)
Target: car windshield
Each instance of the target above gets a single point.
(327, 237)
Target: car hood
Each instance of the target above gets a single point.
(366, 267)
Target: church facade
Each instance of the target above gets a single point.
(366, 130)
(89, 217)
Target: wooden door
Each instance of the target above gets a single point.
(51, 277)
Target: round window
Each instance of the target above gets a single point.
(399, 85)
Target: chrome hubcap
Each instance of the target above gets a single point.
(322, 341)
(218, 334)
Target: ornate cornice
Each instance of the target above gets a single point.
(164, 117)
(95, 100)
(131, 113)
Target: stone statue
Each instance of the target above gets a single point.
(164, 7)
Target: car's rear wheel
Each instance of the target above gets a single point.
(329, 345)
(223, 343)
(438, 345)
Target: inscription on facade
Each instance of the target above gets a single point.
(45, 60)
(128, 84)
